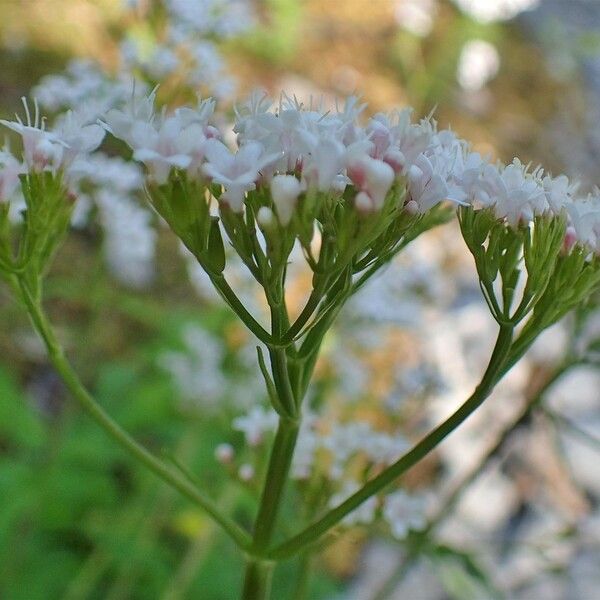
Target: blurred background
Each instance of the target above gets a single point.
(79, 520)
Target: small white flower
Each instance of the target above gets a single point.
(515, 194)
(121, 121)
(585, 219)
(255, 424)
(41, 149)
(403, 512)
(10, 168)
(323, 161)
(236, 172)
(80, 135)
(426, 187)
(478, 63)
(559, 192)
(166, 146)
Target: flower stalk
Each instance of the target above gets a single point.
(113, 429)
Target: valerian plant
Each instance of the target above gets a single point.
(351, 194)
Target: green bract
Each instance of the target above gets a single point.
(46, 218)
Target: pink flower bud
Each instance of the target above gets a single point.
(224, 453)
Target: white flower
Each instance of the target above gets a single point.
(559, 192)
(403, 512)
(478, 63)
(166, 146)
(80, 135)
(107, 172)
(255, 424)
(585, 218)
(426, 187)
(396, 140)
(83, 84)
(41, 149)
(121, 121)
(323, 161)
(129, 238)
(306, 447)
(515, 194)
(236, 172)
(10, 168)
(285, 190)
(162, 142)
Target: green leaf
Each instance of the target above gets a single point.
(19, 423)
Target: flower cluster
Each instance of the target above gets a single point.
(293, 151)
(307, 159)
(166, 40)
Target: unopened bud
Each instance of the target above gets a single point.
(265, 218)
(570, 239)
(411, 207)
(224, 453)
(396, 160)
(285, 190)
(246, 472)
(363, 202)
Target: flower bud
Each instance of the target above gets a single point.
(246, 472)
(363, 202)
(224, 453)
(411, 207)
(285, 190)
(373, 177)
(570, 239)
(265, 218)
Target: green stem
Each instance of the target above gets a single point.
(309, 308)
(257, 580)
(317, 529)
(416, 541)
(277, 475)
(239, 309)
(114, 430)
(302, 585)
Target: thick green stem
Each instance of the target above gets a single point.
(257, 580)
(115, 431)
(274, 486)
(317, 529)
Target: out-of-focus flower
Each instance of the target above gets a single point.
(487, 11)
(255, 423)
(478, 63)
(403, 512)
(129, 240)
(416, 16)
(364, 514)
(42, 149)
(224, 453)
(9, 174)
